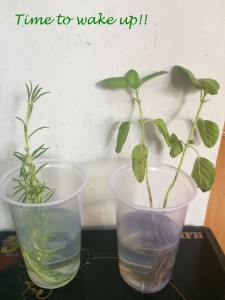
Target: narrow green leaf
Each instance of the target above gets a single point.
(30, 111)
(114, 83)
(139, 160)
(41, 167)
(37, 150)
(21, 121)
(43, 127)
(122, 136)
(40, 153)
(29, 90)
(210, 86)
(18, 155)
(133, 79)
(41, 96)
(149, 77)
(209, 132)
(163, 129)
(17, 191)
(48, 195)
(203, 173)
(176, 147)
(35, 92)
(191, 76)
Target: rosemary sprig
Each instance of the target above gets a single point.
(28, 187)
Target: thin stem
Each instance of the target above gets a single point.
(34, 180)
(143, 143)
(202, 101)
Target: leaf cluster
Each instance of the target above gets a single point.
(132, 81)
(203, 171)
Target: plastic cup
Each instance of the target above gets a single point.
(49, 233)
(148, 238)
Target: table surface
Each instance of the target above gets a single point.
(199, 272)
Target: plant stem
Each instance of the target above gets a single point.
(138, 100)
(37, 197)
(202, 101)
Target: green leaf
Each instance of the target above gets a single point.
(176, 147)
(149, 77)
(35, 92)
(19, 155)
(139, 160)
(122, 136)
(163, 129)
(192, 142)
(209, 132)
(203, 173)
(40, 128)
(39, 151)
(37, 97)
(41, 167)
(133, 79)
(210, 86)
(24, 125)
(191, 76)
(29, 90)
(114, 83)
(29, 111)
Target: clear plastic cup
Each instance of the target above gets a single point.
(49, 233)
(148, 238)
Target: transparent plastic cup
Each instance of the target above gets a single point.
(49, 233)
(148, 238)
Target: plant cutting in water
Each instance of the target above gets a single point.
(42, 246)
(28, 186)
(203, 171)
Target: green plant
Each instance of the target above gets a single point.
(28, 186)
(203, 170)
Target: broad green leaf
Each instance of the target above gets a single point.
(191, 76)
(149, 77)
(210, 86)
(163, 129)
(114, 83)
(133, 79)
(139, 160)
(203, 173)
(122, 135)
(209, 132)
(176, 147)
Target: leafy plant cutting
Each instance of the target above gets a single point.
(28, 186)
(203, 171)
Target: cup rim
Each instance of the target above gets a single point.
(70, 164)
(156, 210)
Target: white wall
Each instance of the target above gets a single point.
(69, 60)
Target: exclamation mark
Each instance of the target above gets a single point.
(140, 22)
(146, 18)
